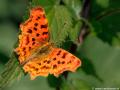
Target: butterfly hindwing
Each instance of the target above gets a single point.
(62, 61)
(56, 62)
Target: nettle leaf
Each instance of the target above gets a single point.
(75, 7)
(60, 23)
(105, 60)
(74, 32)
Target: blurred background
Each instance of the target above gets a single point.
(100, 50)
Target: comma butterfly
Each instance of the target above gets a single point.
(37, 55)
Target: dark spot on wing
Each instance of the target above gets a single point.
(36, 69)
(29, 48)
(54, 66)
(54, 58)
(35, 28)
(63, 62)
(44, 26)
(35, 24)
(44, 33)
(59, 52)
(38, 18)
(39, 63)
(33, 43)
(33, 39)
(29, 31)
(48, 61)
(45, 61)
(43, 67)
(23, 48)
(64, 55)
(58, 62)
(37, 34)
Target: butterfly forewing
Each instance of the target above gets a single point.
(34, 33)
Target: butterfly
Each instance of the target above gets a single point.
(37, 55)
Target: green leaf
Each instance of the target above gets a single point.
(74, 32)
(75, 84)
(53, 81)
(105, 60)
(103, 3)
(46, 4)
(60, 23)
(100, 6)
(107, 29)
(74, 7)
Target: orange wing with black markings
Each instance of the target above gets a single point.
(36, 53)
(55, 62)
(34, 33)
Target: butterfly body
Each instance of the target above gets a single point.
(37, 55)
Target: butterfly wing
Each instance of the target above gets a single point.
(34, 33)
(63, 61)
(55, 63)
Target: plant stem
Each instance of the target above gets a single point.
(84, 14)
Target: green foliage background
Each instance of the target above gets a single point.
(99, 52)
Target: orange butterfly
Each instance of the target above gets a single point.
(37, 54)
